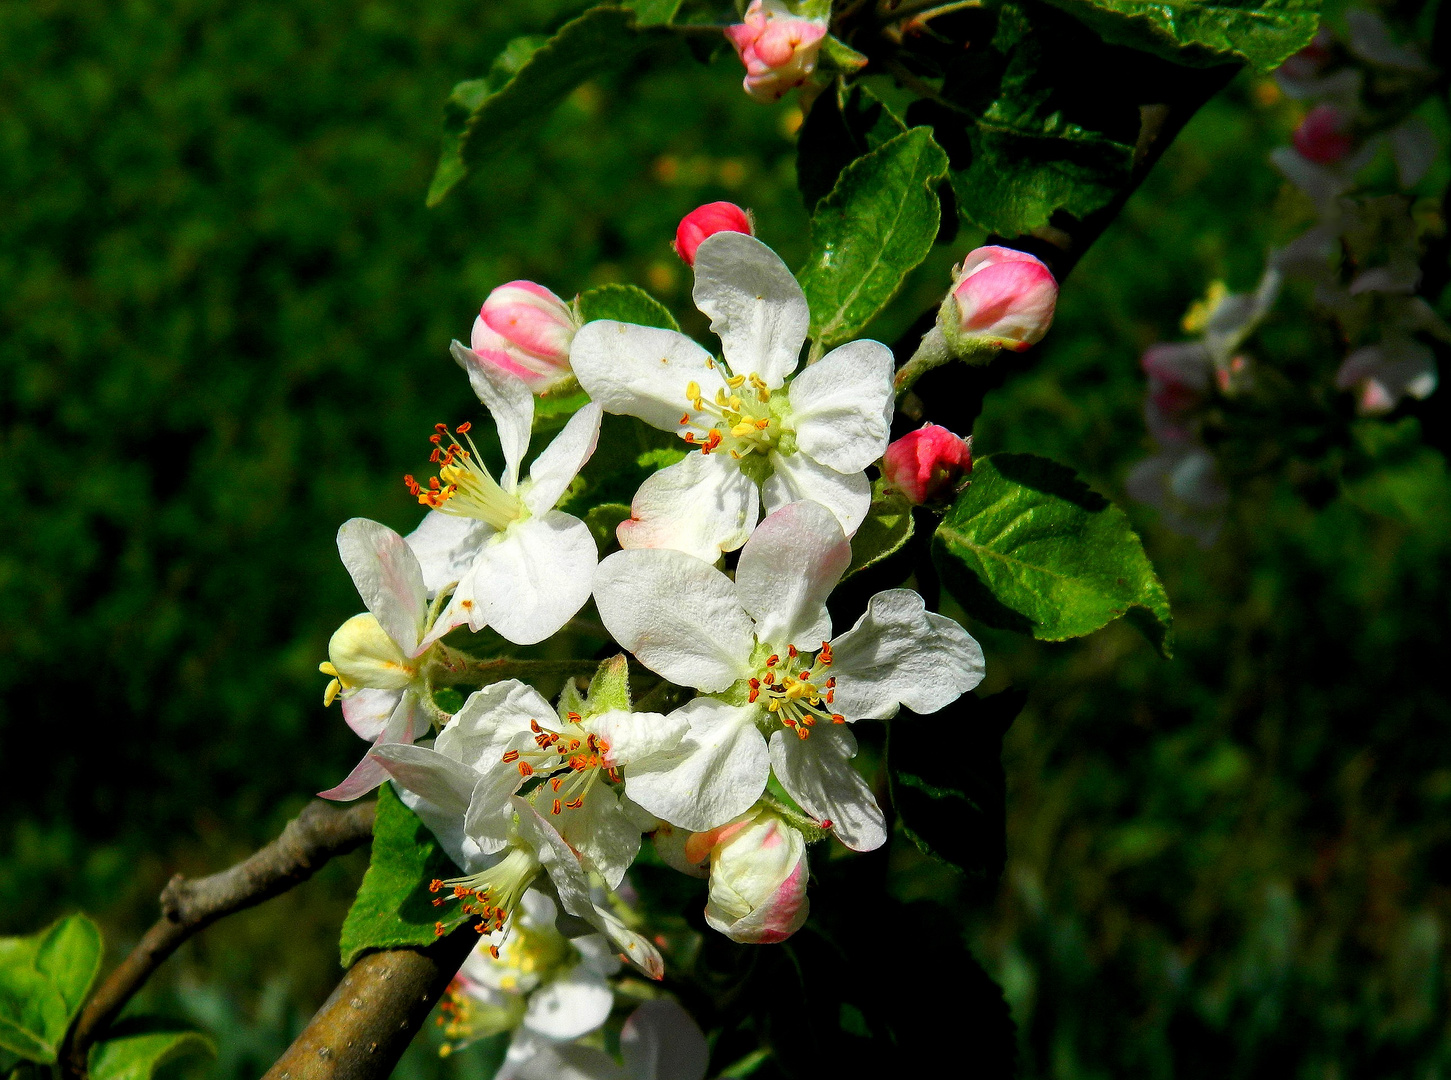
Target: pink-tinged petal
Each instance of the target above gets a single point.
(661, 1041)
(389, 579)
(531, 318)
(510, 403)
(702, 505)
(367, 711)
(758, 878)
(1004, 296)
(787, 570)
(817, 773)
(407, 723)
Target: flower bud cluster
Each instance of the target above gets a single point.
(779, 49)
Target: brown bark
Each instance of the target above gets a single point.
(320, 832)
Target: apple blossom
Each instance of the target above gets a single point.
(542, 986)
(379, 661)
(1002, 298)
(760, 433)
(525, 330)
(660, 1041)
(706, 221)
(779, 49)
(758, 878)
(925, 463)
(778, 690)
(518, 565)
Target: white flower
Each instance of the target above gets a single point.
(660, 1041)
(521, 566)
(507, 734)
(760, 646)
(760, 434)
(377, 661)
(542, 986)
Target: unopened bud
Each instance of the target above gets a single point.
(706, 221)
(779, 49)
(758, 878)
(526, 330)
(1324, 136)
(926, 463)
(1002, 297)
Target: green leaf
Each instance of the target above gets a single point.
(625, 303)
(841, 127)
(1262, 33)
(954, 806)
(393, 907)
(653, 12)
(887, 526)
(603, 520)
(526, 84)
(873, 229)
(1029, 547)
(838, 56)
(1036, 123)
(44, 979)
(137, 1047)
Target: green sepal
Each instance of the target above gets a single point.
(1030, 547)
(609, 690)
(883, 532)
(393, 907)
(44, 980)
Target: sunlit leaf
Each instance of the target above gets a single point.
(44, 979)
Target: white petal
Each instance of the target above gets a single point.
(786, 571)
(817, 773)
(483, 730)
(702, 505)
(568, 877)
(569, 1006)
(596, 954)
(756, 307)
(490, 814)
(901, 653)
(717, 772)
(367, 711)
(509, 401)
(677, 614)
(448, 830)
(561, 460)
(388, 578)
(634, 736)
(600, 830)
(446, 783)
(661, 1041)
(533, 1057)
(797, 477)
(407, 723)
(636, 947)
(534, 577)
(841, 406)
(446, 545)
(642, 370)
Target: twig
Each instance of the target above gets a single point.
(320, 832)
(363, 1028)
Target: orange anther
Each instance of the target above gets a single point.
(511, 757)
(494, 951)
(435, 885)
(837, 718)
(525, 769)
(773, 660)
(438, 929)
(557, 807)
(465, 428)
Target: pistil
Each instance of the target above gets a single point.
(741, 424)
(798, 691)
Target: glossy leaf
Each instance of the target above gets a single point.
(954, 806)
(625, 303)
(1030, 547)
(526, 84)
(886, 528)
(44, 979)
(877, 224)
(393, 906)
(137, 1047)
(1262, 33)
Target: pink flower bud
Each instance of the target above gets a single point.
(1324, 135)
(758, 878)
(1311, 60)
(926, 463)
(706, 221)
(779, 49)
(526, 330)
(1001, 297)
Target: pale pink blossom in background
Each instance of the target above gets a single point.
(779, 49)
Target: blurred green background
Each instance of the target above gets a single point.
(224, 319)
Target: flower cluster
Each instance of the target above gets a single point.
(1362, 254)
(740, 754)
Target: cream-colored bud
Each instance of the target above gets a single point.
(363, 655)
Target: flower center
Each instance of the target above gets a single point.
(463, 487)
(490, 895)
(569, 761)
(740, 424)
(797, 691)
